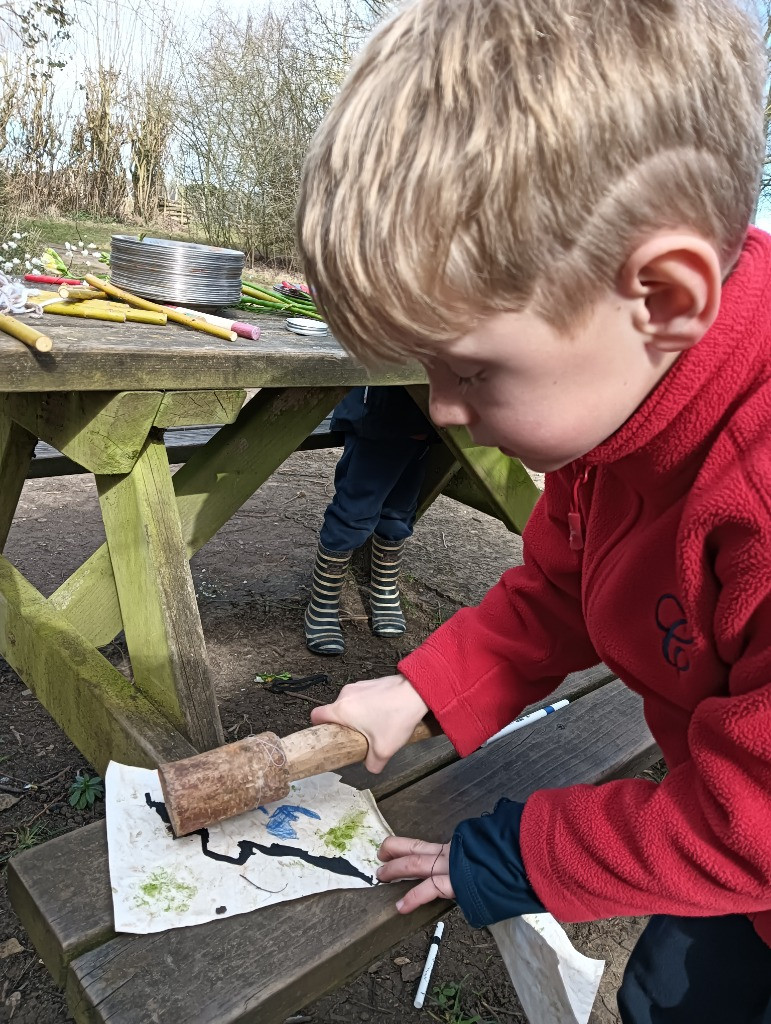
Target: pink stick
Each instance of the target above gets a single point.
(246, 330)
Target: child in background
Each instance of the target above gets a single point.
(547, 202)
(377, 483)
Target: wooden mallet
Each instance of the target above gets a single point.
(221, 783)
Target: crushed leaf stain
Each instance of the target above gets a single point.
(164, 893)
(340, 836)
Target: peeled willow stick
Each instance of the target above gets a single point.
(85, 312)
(23, 332)
(139, 316)
(71, 292)
(172, 314)
(146, 316)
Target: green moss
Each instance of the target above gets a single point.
(164, 893)
(342, 835)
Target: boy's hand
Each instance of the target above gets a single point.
(412, 858)
(386, 710)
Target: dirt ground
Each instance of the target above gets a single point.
(252, 586)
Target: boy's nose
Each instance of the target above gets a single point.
(448, 410)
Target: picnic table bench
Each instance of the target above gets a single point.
(107, 397)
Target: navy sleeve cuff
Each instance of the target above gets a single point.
(486, 869)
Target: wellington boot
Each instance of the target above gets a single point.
(322, 616)
(385, 603)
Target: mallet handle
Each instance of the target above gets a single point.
(229, 780)
(323, 748)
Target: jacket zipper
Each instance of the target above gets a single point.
(575, 522)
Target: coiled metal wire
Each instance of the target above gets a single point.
(183, 273)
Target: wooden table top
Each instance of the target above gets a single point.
(91, 355)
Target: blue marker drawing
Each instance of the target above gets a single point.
(281, 820)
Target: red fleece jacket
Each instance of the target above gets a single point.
(672, 590)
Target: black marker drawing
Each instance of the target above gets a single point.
(247, 849)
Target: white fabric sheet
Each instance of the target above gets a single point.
(555, 983)
(324, 835)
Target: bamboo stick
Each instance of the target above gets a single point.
(172, 314)
(23, 332)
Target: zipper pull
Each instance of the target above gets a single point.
(575, 523)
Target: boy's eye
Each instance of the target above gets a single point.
(464, 383)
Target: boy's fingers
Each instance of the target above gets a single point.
(412, 858)
(415, 866)
(324, 715)
(401, 846)
(426, 891)
(373, 763)
(328, 714)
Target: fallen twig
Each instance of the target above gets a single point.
(47, 782)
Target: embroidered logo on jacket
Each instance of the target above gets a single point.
(671, 620)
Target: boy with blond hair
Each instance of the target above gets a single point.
(547, 202)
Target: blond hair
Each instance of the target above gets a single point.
(488, 155)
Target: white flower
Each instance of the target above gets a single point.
(5, 245)
(16, 235)
(67, 246)
(28, 264)
(92, 245)
(8, 266)
(14, 261)
(12, 245)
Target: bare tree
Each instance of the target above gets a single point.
(255, 92)
(151, 107)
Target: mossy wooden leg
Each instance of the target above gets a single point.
(16, 448)
(221, 476)
(210, 488)
(101, 712)
(156, 594)
(100, 430)
(442, 467)
(196, 408)
(504, 486)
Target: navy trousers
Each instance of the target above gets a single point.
(697, 970)
(377, 483)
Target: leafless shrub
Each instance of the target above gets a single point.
(255, 92)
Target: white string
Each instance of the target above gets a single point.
(14, 298)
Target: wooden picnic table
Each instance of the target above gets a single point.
(103, 397)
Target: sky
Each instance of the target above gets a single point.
(763, 220)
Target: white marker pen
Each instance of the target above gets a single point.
(425, 977)
(520, 723)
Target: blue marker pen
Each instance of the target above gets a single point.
(520, 723)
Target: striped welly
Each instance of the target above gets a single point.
(322, 623)
(387, 615)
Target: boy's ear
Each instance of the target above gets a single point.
(675, 281)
